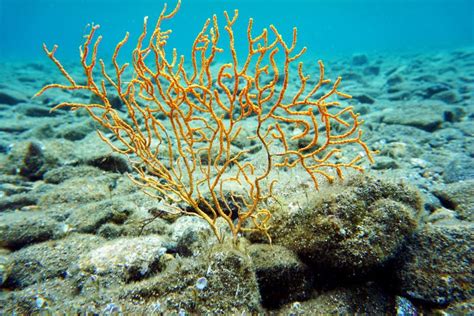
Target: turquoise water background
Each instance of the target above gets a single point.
(327, 27)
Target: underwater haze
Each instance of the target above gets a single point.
(327, 28)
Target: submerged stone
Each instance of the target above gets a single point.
(281, 275)
(353, 227)
(19, 229)
(436, 265)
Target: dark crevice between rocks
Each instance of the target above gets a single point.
(446, 202)
(325, 280)
(111, 163)
(391, 284)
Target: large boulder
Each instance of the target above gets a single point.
(354, 227)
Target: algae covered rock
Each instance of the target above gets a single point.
(66, 172)
(353, 227)
(221, 280)
(32, 159)
(124, 259)
(436, 266)
(456, 196)
(29, 160)
(281, 275)
(47, 260)
(19, 229)
(78, 191)
(365, 299)
(191, 235)
(88, 218)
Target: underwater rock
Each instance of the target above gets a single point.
(191, 234)
(111, 162)
(365, 299)
(31, 159)
(41, 298)
(28, 159)
(397, 133)
(436, 265)
(402, 154)
(191, 242)
(398, 150)
(17, 193)
(39, 262)
(111, 231)
(122, 260)
(22, 228)
(364, 98)
(18, 201)
(79, 190)
(455, 114)
(448, 97)
(145, 220)
(394, 80)
(353, 227)
(462, 308)
(399, 94)
(431, 120)
(88, 218)
(435, 88)
(353, 76)
(13, 127)
(404, 306)
(230, 286)
(63, 173)
(372, 70)
(4, 267)
(33, 110)
(281, 276)
(42, 130)
(76, 131)
(456, 196)
(186, 223)
(449, 137)
(11, 97)
(359, 60)
(459, 168)
(383, 163)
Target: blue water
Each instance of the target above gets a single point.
(326, 27)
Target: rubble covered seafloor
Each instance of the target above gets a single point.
(397, 239)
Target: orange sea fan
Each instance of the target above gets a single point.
(181, 122)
